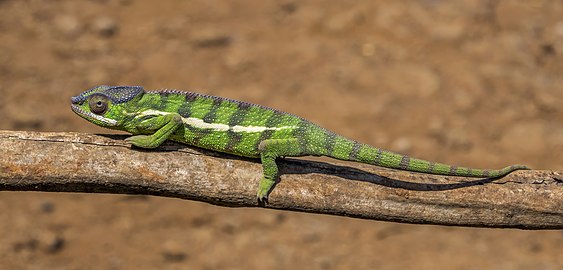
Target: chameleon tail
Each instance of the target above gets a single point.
(349, 150)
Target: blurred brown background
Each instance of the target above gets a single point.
(475, 83)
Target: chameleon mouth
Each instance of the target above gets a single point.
(88, 115)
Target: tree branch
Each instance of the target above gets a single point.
(73, 162)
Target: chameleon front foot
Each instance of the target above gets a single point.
(142, 141)
(264, 189)
(163, 127)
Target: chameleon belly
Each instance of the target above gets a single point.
(238, 128)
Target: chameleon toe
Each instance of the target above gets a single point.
(238, 128)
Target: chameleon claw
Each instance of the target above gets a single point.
(126, 108)
(262, 197)
(262, 200)
(263, 190)
(142, 141)
(135, 140)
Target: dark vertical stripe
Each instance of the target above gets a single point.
(377, 160)
(275, 119)
(234, 139)
(486, 173)
(162, 102)
(199, 134)
(236, 119)
(238, 116)
(431, 166)
(212, 114)
(453, 170)
(265, 135)
(185, 109)
(300, 133)
(191, 96)
(272, 121)
(243, 105)
(355, 151)
(329, 143)
(404, 164)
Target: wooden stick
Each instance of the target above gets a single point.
(74, 162)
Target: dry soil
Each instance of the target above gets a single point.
(475, 83)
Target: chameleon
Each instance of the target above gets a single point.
(239, 128)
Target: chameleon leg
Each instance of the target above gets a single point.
(269, 151)
(164, 125)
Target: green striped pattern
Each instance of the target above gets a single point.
(260, 122)
(349, 150)
(238, 128)
(311, 139)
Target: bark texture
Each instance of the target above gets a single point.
(74, 162)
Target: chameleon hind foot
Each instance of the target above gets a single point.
(264, 189)
(270, 150)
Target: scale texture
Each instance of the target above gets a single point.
(238, 128)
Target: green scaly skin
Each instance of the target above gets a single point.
(238, 128)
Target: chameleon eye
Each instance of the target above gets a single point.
(98, 104)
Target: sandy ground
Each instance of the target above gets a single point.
(475, 83)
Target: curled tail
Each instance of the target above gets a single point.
(349, 150)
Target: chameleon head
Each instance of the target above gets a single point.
(103, 105)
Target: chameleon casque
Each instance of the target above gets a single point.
(238, 128)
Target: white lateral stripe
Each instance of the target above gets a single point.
(258, 128)
(152, 112)
(199, 123)
(103, 119)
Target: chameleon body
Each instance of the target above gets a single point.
(238, 128)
